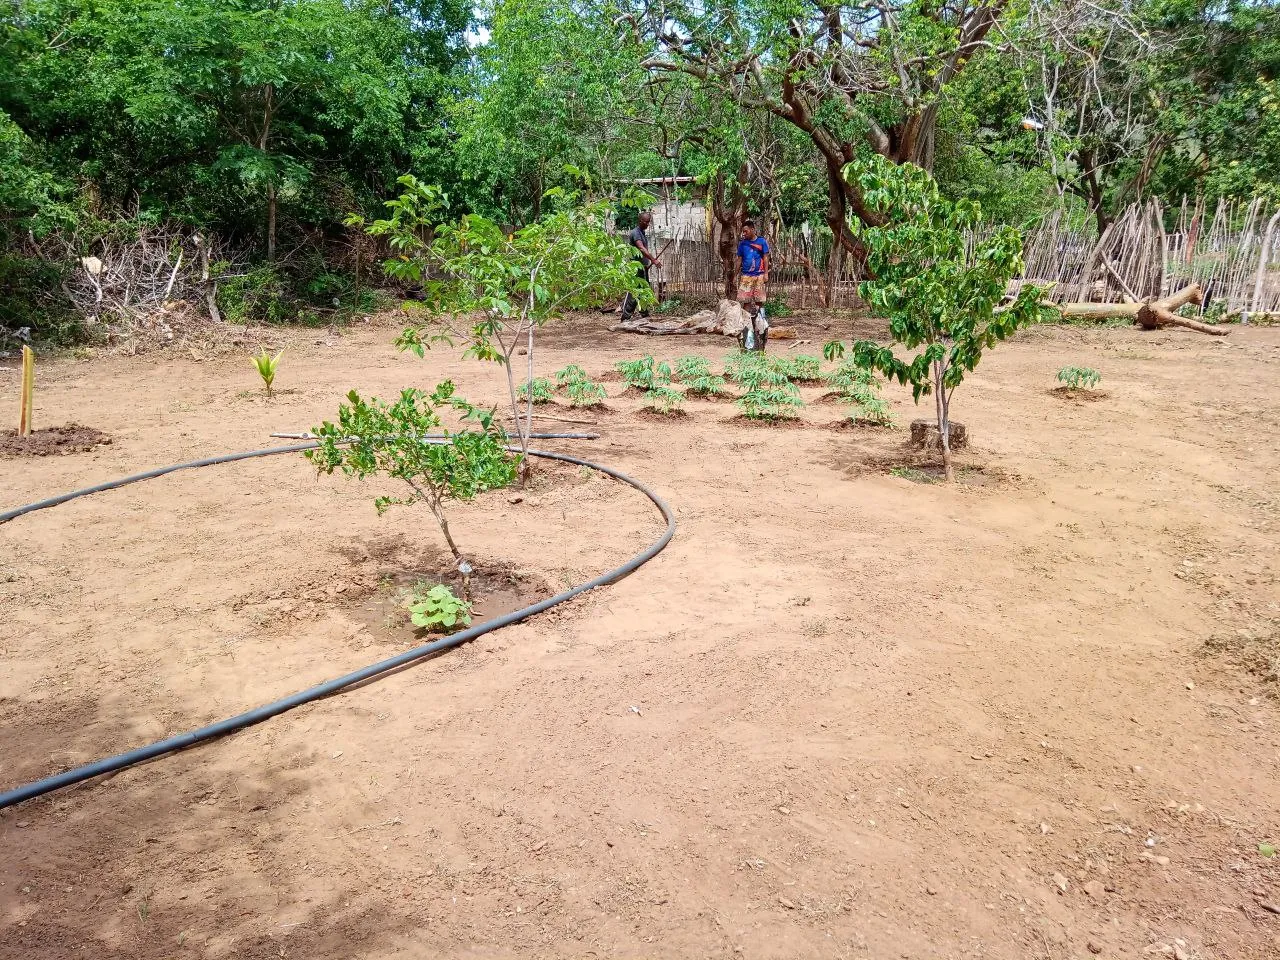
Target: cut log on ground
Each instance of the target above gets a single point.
(1148, 314)
(727, 320)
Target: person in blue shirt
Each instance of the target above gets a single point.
(753, 251)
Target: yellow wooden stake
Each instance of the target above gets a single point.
(28, 387)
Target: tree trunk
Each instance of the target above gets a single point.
(268, 114)
(730, 211)
(944, 419)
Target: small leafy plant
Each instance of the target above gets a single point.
(695, 373)
(266, 366)
(664, 399)
(859, 387)
(438, 607)
(582, 391)
(1079, 378)
(801, 368)
(376, 438)
(540, 388)
(644, 373)
(769, 394)
(570, 374)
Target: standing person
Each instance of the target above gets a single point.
(753, 251)
(639, 239)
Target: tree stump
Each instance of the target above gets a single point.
(925, 435)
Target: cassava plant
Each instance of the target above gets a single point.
(859, 387)
(664, 399)
(1079, 378)
(767, 393)
(695, 373)
(375, 438)
(644, 373)
(938, 281)
(495, 289)
(539, 390)
(581, 389)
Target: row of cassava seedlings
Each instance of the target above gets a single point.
(767, 385)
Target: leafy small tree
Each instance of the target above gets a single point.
(373, 438)
(939, 281)
(495, 289)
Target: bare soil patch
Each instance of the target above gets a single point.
(1078, 395)
(653, 414)
(841, 715)
(52, 441)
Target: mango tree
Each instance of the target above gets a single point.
(939, 278)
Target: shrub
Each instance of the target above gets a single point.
(374, 438)
(1079, 378)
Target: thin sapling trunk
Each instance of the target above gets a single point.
(943, 403)
(432, 498)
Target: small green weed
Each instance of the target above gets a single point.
(1079, 378)
(437, 607)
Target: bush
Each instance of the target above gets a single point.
(33, 307)
(1079, 378)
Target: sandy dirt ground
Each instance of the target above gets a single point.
(1031, 715)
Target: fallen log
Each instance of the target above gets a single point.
(1148, 314)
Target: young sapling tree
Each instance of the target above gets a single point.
(938, 283)
(375, 438)
(494, 289)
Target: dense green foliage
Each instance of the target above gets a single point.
(264, 123)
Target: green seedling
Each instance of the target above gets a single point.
(1079, 378)
(644, 374)
(266, 366)
(543, 392)
(438, 607)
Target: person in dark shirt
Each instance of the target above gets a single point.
(639, 240)
(753, 251)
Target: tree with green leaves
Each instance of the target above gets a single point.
(938, 281)
(493, 289)
(375, 438)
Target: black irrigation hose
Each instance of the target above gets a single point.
(338, 684)
(16, 512)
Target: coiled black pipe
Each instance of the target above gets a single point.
(223, 727)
